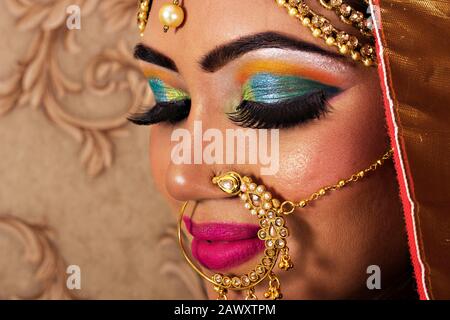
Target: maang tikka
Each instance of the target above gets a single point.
(171, 15)
(271, 214)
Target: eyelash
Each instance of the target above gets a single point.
(170, 112)
(248, 114)
(286, 114)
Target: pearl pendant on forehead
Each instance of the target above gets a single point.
(171, 16)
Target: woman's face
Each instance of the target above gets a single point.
(335, 239)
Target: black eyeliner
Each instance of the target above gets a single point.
(171, 112)
(286, 114)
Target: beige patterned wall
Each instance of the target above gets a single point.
(75, 187)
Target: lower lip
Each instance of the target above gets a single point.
(221, 255)
(220, 246)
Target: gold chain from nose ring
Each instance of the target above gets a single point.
(289, 206)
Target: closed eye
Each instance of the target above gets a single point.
(289, 113)
(268, 101)
(281, 101)
(171, 112)
(172, 105)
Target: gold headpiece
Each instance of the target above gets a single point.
(271, 214)
(142, 15)
(322, 28)
(172, 16)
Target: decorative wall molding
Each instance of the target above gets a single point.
(40, 83)
(41, 252)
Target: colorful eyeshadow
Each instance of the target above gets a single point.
(165, 93)
(276, 88)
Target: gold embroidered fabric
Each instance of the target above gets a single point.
(415, 36)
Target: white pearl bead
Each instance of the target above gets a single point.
(267, 196)
(171, 15)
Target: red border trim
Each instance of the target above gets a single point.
(402, 167)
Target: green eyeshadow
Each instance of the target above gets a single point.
(164, 93)
(275, 88)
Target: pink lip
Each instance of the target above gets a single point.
(218, 246)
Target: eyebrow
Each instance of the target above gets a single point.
(225, 53)
(150, 55)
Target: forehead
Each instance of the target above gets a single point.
(211, 23)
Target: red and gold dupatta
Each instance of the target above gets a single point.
(413, 45)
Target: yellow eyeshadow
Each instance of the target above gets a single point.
(150, 72)
(283, 68)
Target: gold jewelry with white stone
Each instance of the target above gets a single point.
(171, 15)
(321, 28)
(271, 214)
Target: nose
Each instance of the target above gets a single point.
(198, 152)
(192, 182)
(189, 173)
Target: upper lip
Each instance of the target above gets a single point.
(219, 231)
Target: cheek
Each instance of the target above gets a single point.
(159, 155)
(344, 141)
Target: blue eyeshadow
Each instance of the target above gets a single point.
(275, 88)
